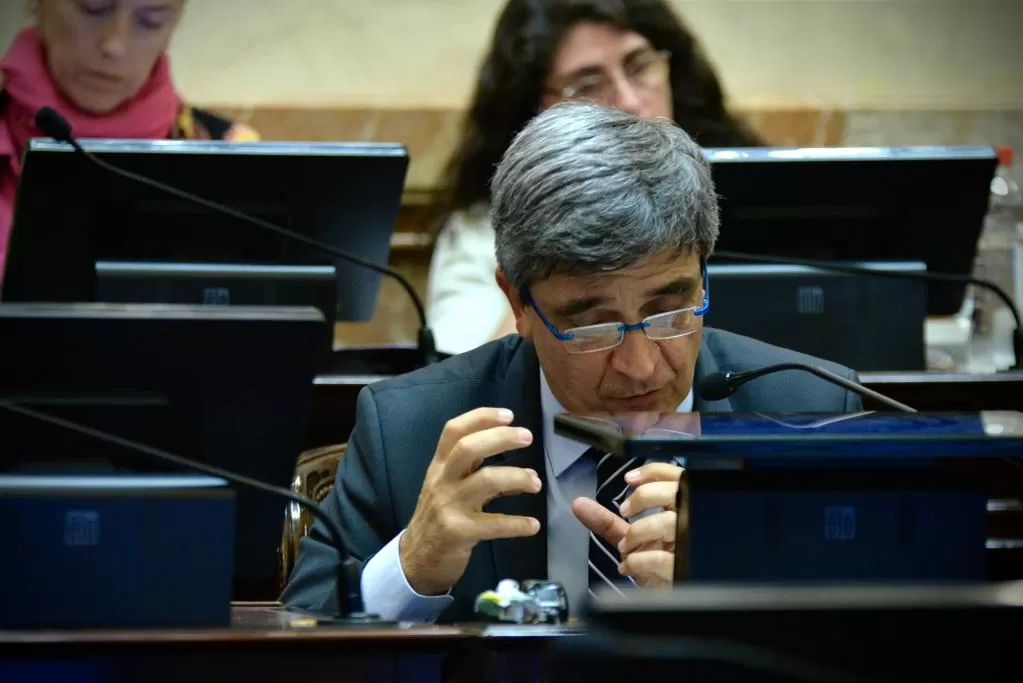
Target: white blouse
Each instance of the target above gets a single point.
(464, 305)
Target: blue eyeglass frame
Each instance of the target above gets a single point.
(625, 328)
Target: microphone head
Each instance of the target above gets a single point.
(717, 386)
(53, 124)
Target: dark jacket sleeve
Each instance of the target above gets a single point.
(360, 504)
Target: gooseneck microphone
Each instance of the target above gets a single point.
(53, 124)
(720, 385)
(1017, 335)
(351, 610)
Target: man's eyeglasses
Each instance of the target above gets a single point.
(590, 338)
(646, 71)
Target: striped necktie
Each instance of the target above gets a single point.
(611, 493)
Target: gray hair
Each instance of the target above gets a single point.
(586, 189)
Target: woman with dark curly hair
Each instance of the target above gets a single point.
(635, 55)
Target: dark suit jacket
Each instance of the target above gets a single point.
(399, 420)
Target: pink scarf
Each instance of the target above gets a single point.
(27, 85)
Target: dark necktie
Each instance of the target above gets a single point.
(611, 493)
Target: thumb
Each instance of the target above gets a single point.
(600, 520)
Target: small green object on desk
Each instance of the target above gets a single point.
(534, 602)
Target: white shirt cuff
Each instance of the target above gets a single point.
(386, 591)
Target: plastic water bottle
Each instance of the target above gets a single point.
(1017, 293)
(1000, 260)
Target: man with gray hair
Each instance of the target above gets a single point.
(454, 479)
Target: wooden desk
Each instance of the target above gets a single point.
(267, 643)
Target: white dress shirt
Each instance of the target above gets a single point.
(386, 591)
(464, 305)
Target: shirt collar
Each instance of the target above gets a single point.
(563, 452)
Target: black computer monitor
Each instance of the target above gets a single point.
(223, 284)
(207, 383)
(820, 497)
(798, 633)
(858, 204)
(863, 322)
(71, 214)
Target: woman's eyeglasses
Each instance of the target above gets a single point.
(646, 71)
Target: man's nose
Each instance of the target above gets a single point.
(636, 357)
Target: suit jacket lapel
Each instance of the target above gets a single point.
(707, 364)
(522, 558)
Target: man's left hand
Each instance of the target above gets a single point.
(647, 546)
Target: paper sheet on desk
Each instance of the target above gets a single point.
(530, 631)
(299, 618)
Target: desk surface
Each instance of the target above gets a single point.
(270, 623)
(265, 644)
(268, 643)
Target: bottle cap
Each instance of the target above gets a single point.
(1005, 156)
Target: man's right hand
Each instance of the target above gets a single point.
(449, 520)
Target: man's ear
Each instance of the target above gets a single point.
(511, 293)
(518, 308)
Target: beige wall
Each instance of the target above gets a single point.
(847, 54)
(873, 72)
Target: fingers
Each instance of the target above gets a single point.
(656, 531)
(470, 423)
(657, 494)
(469, 452)
(653, 471)
(488, 483)
(487, 526)
(600, 520)
(467, 423)
(650, 567)
(448, 521)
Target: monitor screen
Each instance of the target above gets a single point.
(858, 204)
(863, 322)
(347, 195)
(192, 380)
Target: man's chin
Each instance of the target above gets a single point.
(660, 400)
